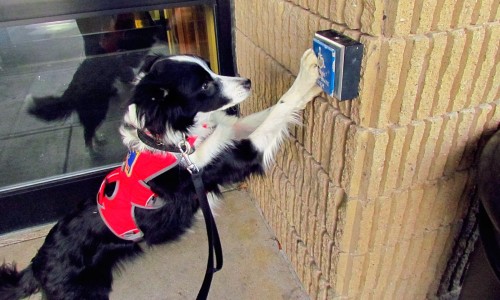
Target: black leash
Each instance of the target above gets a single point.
(214, 244)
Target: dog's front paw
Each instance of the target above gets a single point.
(308, 73)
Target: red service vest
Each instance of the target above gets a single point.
(131, 190)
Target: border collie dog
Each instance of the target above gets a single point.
(176, 97)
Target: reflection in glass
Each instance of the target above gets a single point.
(64, 85)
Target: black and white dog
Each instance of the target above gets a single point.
(178, 96)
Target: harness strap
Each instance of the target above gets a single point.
(214, 244)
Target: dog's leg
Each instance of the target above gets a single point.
(269, 135)
(265, 129)
(213, 145)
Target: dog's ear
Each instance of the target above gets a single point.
(149, 61)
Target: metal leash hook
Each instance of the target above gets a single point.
(185, 149)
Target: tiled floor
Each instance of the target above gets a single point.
(254, 267)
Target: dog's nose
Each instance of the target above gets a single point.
(247, 84)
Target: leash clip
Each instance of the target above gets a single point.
(185, 149)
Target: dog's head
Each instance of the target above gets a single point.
(174, 89)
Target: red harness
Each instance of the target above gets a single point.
(131, 190)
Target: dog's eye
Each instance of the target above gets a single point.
(205, 86)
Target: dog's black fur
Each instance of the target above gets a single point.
(93, 84)
(80, 252)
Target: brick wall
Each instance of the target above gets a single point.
(368, 197)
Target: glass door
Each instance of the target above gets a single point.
(64, 83)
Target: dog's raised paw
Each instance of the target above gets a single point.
(308, 73)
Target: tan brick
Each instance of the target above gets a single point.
(462, 88)
(398, 217)
(302, 256)
(425, 210)
(356, 150)
(343, 275)
(382, 216)
(323, 183)
(320, 108)
(369, 80)
(334, 200)
(386, 267)
(428, 242)
(351, 227)
(377, 145)
(323, 8)
(338, 148)
(411, 260)
(307, 281)
(395, 146)
(290, 201)
(345, 108)
(352, 13)
(444, 144)
(401, 289)
(467, 12)
(309, 116)
(476, 130)
(438, 211)
(445, 15)
(337, 11)
(359, 272)
(426, 153)
(367, 227)
(484, 73)
(391, 75)
(318, 244)
(285, 35)
(402, 250)
(304, 217)
(403, 17)
(440, 244)
(410, 154)
(453, 53)
(425, 10)
(486, 10)
(327, 137)
(327, 254)
(323, 292)
(299, 178)
(315, 282)
(314, 194)
(460, 138)
(419, 46)
(459, 185)
(432, 74)
(372, 17)
(390, 290)
(373, 269)
(415, 199)
(493, 88)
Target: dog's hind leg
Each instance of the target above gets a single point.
(269, 135)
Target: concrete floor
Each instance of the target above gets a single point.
(254, 267)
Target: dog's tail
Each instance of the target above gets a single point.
(49, 108)
(16, 285)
